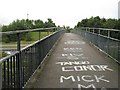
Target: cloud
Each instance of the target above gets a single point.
(63, 12)
(4, 21)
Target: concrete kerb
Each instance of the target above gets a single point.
(39, 70)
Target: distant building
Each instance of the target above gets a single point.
(119, 10)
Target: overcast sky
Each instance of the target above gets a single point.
(62, 12)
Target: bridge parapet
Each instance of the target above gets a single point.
(16, 69)
(106, 40)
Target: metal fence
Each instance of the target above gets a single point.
(107, 40)
(16, 69)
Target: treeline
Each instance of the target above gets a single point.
(97, 22)
(23, 25)
(0, 28)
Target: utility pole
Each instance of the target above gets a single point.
(27, 16)
(27, 20)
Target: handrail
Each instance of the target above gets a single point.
(7, 57)
(18, 32)
(104, 41)
(28, 30)
(100, 28)
(16, 69)
(99, 31)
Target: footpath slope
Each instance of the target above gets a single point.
(76, 64)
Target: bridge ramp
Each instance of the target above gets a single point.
(76, 64)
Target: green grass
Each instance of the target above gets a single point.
(35, 37)
(3, 54)
(11, 46)
(0, 54)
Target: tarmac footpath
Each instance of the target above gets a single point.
(76, 64)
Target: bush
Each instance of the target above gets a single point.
(4, 54)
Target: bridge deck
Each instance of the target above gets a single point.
(75, 64)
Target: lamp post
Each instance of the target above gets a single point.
(27, 15)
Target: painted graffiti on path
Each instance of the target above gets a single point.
(74, 60)
(73, 42)
(72, 56)
(72, 49)
(81, 66)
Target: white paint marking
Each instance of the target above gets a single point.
(105, 67)
(89, 86)
(62, 78)
(73, 63)
(84, 78)
(77, 55)
(74, 42)
(67, 69)
(72, 49)
(98, 79)
(72, 57)
(81, 68)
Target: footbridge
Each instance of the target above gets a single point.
(85, 58)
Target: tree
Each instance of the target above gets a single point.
(110, 23)
(22, 25)
(83, 23)
(17, 25)
(0, 28)
(49, 23)
(38, 24)
(29, 24)
(97, 22)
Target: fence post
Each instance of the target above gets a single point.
(119, 52)
(108, 33)
(48, 32)
(39, 35)
(0, 75)
(18, 61)
(18, 42)
(99, 32)
(93, 31)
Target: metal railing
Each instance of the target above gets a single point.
(106, 40)
(16, 69)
